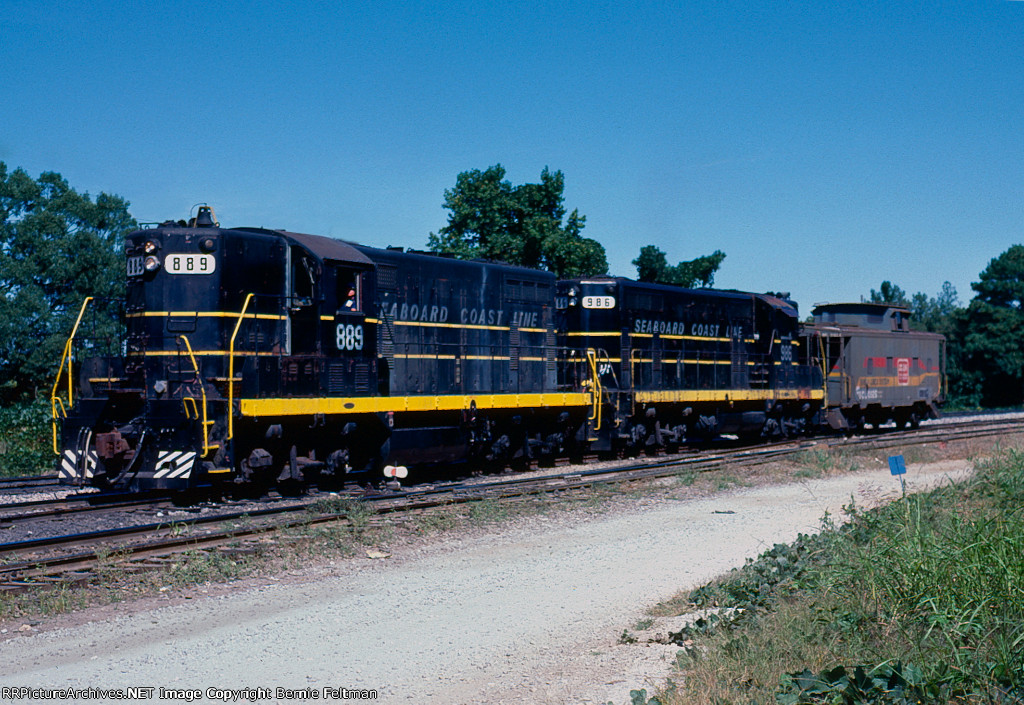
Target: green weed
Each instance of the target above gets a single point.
(359, 514)
(436, 522)
(489, 511)
(686, 479)
(196, 567)
(918, 601)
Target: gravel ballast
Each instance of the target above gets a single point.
(524, 613)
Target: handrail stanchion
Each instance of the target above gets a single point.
(202, 388)
(66, 357)
(231, 368)
(595, 389)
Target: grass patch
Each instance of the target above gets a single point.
(726, 481)
(44, 602)
(196, 567)
(436, 521)
(807, 473)
(643, 624)
(489, 511)
(816, 462)
(918, 601)
(687, 478)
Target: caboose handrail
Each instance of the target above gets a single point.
(823, 357)
(231, 367)
(202, 388)
(66, 357)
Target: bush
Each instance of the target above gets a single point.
(26, 443)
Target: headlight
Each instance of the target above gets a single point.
(150, 247)
(152, 263)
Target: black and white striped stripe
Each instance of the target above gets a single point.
(174, 464)
(69, 464)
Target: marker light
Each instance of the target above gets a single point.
(400, 472)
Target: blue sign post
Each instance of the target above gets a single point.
(898, 468)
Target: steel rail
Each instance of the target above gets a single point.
(39, 570)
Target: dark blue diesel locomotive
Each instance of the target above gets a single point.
(264, 355)
(671, 364)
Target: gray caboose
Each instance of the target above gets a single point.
(876, 368)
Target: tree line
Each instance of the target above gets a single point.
(985, 338)
(58, 246)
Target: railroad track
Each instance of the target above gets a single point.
(27, 481)
(26, 484)
(76, 504)
(933, 433)
(62, 560)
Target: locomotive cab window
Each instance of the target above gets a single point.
(350, 291)
(305, 275)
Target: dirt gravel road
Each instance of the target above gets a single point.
(527, 613)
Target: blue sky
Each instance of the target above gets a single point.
(824, 147)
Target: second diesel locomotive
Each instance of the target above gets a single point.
(675, 364)
(259, 356)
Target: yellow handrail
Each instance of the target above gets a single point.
(595, 389)
(54, 401)
(202, 388)
(231, 368)
(66, 357)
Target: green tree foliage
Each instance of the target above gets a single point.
(1002, 281)
(889, 293)
(652, 266)
(935, 313)
(25, 441)
(56, 247)
(986, 337)
(930, 313)
(492, 219)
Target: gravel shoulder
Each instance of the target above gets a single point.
(524, 613)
